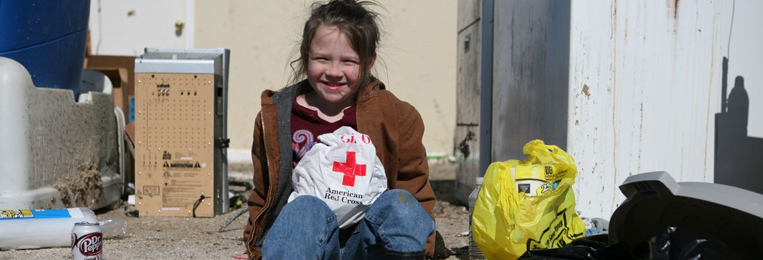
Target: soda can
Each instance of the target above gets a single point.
(87, 241)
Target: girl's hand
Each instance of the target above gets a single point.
(244, 256)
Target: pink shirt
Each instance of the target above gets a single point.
(306, 126)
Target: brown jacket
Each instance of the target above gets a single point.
(395, 127)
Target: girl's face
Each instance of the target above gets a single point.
(333, 68)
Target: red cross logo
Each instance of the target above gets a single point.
(350, 169)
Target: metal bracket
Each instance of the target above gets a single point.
(222, 143)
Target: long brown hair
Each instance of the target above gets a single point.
(352, 18)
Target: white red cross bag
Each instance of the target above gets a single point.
(344, 172)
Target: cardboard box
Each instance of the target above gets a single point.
(121, 72)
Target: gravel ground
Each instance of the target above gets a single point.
(197, 238)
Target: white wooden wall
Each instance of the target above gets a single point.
(642, 90)
(644, 85)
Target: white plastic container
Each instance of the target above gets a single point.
(26, 229)
(50, 142)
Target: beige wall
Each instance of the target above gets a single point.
(417, 52)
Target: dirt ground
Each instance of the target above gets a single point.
(198, 238)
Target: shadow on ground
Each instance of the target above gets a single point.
(445, 191)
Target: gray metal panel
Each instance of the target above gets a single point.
(174, 66)
(224, 69)
(530, 86)
(179, 56)
(156, 60)
(466, 138)
(203, 53)
(469, 14)
(486, 85)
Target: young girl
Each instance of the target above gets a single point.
(337, 53)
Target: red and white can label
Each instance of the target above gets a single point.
(87, 247)
(89, 244)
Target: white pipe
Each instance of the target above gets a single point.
(15, 161)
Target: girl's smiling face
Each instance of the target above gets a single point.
(333, 68)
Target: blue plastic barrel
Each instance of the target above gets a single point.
(47, 37)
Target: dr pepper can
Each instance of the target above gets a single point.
(87, 241)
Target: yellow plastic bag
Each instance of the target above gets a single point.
(511, 218)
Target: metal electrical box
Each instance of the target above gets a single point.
(180, 132)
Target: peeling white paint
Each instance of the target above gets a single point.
(652, 74)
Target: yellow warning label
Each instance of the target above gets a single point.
(16, 213)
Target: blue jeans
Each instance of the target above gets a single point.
(307, 229)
